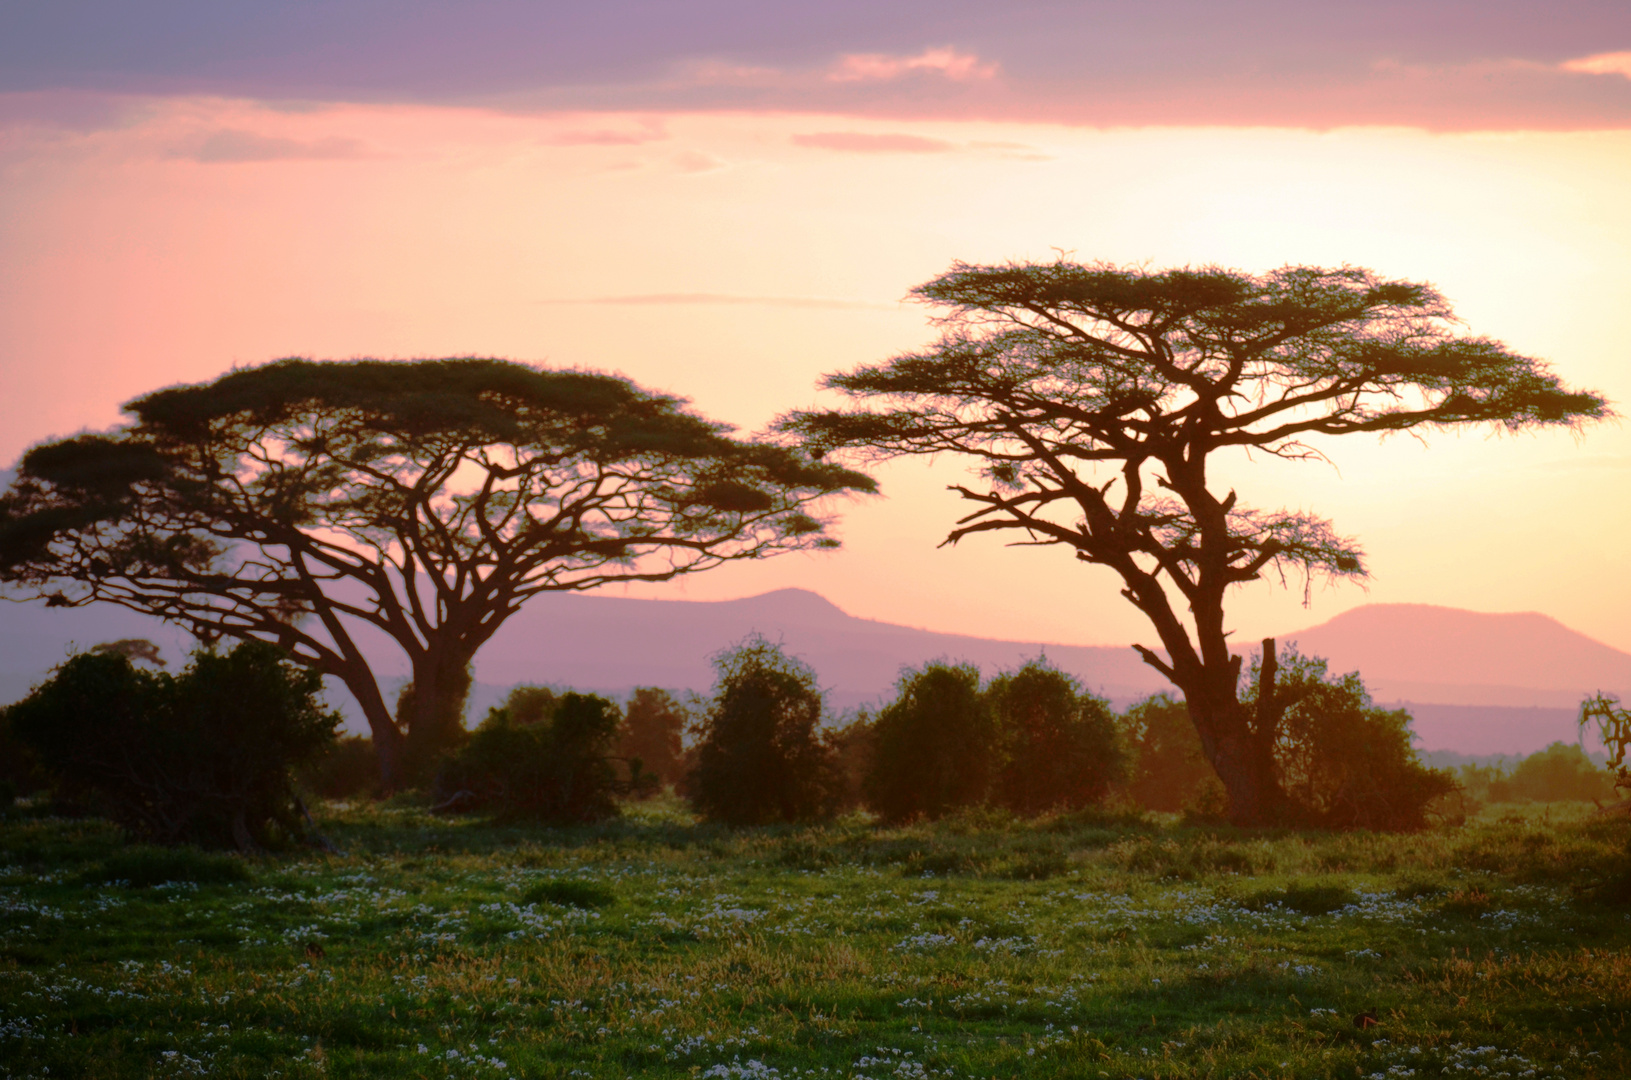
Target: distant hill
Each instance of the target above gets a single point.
(613, 643)
(1476, 683)
(1446, 656)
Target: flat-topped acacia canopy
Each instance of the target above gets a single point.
(1093, 396)
(428, 499)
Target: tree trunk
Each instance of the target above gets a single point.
(1247, 771)
(389, 745)
(1240, 753)
(431, 711)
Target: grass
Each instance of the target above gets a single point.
(977, 947)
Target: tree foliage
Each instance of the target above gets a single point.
(299, 502)
(761, 757)
(1343, 762)
(653, 730)
(557, 766)
(1060, 748)
(1168, 766)
(935, 747)
(1095, 399)
(201, 757)
(1560, 773)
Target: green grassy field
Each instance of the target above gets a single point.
(972, 948)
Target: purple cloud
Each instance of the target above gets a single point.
(231, 145)
(1442, 64)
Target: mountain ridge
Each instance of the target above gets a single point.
(1534, 670)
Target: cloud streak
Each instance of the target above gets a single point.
(880, 67)
(1615, 63)
(671, 299)
(231, 145)
(863, 143)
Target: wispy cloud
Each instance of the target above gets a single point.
(233, 145)
(695, 161)
(1614, 63)
(648, 131)
(864, 143)
(653, 299)
(881, 67)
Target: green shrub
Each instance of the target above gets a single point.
(558, 769)
(141, 867)
(1345, 763)
(1169, 771)
(1559, 773)
(935, 747)
(346, 769)
(654, 722)
(1059, 744)
(205, 757)
(566, 892)
(761, 757)
(1303, 897)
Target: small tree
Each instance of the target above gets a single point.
(1098, 401)
(558, 768)
(1613, 723)
(654, 724)
(935, 747)
(1060, 748)
(1168, 767)
(760, 757)
(1559, 773)
(1344, 763)
(204, 757)
(300, 502)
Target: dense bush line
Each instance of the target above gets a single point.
(203, 757)
(214, 756)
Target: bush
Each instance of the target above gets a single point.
(1558, 773)
(346, 769)
(1345, 763)
(1169, 771)
(855, 747)
(761, 757)
(935, 746)
(571, 893)
(557, 768)
(1059, 744)
(142, 867)
(654, 723)
(205, 757)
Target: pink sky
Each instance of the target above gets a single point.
(729, 223)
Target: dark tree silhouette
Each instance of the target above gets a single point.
(299, 502)
(1096, 398)
(936, 747)
(1059, 743)
(654, 724)
(761, 757)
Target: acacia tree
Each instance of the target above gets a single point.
(1095, 398)
(300, 502)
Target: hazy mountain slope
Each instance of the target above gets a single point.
(1476, 683)
(609, 642)
(1417, 652)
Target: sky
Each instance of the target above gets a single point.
(724, 200)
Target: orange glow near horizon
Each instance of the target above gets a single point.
(734, 258)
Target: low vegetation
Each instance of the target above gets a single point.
(206, 756)
(980, 945)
